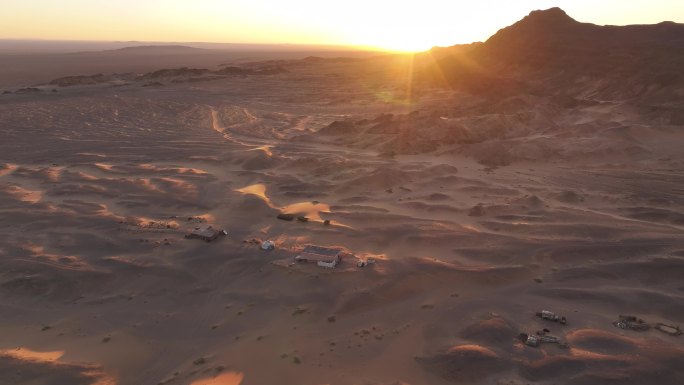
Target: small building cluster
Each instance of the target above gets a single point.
(631, 322)
(205, 232)
(541, 337)
(268, 245)
(362, 263)
(551, 316)
(627, 322)
(322, 256)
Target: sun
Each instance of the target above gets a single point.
(402, 40)
(395, 42)
(406, 46)
(400, 34)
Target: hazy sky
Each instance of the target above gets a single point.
(395, 24)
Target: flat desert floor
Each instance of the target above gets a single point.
(98, 285)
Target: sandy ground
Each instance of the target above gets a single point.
(99, 185)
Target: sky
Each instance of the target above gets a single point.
(395, 24)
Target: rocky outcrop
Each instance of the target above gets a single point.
(521, 95)
(267, 70)
(175, 72)
(68, 81)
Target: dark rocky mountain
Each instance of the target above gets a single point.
(146, 49)
(552, 44)
(553, 39)
(546, 87)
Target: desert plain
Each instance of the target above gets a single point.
(481, 202)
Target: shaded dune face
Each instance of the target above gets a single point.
(57, 281)
(609, 358)
(232, 378)
(464, 363)
(602, 342)
(490, 331)
(27, 366)
(594, 355)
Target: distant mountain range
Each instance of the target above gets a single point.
(27, 46)
(155, 48)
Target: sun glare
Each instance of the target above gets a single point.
(394, 39)
(405, 26)
(402, 46)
